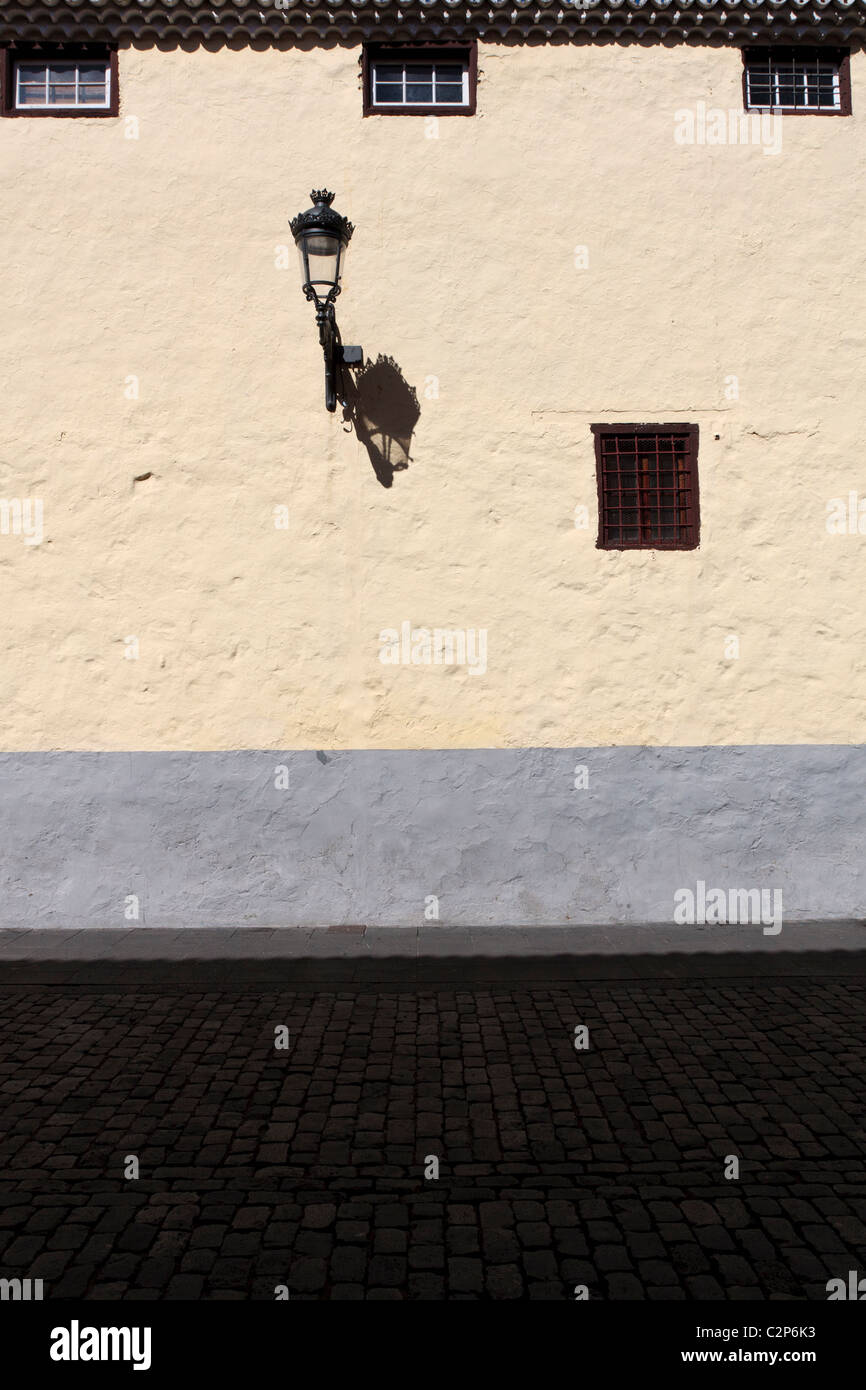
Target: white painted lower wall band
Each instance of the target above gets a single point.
(484, 837)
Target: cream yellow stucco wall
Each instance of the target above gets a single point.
(156, 259)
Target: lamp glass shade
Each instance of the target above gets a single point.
(321, 255)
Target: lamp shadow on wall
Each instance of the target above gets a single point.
(384, 410)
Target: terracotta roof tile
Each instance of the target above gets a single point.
(286, 21)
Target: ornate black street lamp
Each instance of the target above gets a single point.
(322, 236)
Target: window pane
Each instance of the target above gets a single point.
(92, 93)
(62, 72)
(449, 91)
(61, 92)
(389, 72)
(92, 73)
(388, 91)
(30, 84)
(449, 72)
(419, 83)
(760, 91)
(822, 90)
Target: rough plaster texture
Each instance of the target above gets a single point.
(499, 836)
(162, 392)
(145, 248)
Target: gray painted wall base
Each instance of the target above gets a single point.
(500, 837)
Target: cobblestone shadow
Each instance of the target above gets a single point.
(557, 1168)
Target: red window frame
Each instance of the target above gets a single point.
(21, 53)
(628, 485)
(401, 51)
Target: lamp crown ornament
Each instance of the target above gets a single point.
(322, 217)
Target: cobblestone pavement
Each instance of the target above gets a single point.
(305, 1167)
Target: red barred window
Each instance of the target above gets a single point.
(647, 486)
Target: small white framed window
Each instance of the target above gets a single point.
(797, 80)
(420, 80)
(61, 84)
(420, 84)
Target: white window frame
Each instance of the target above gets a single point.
(775, 79)
(416, 59)
(57, 62)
